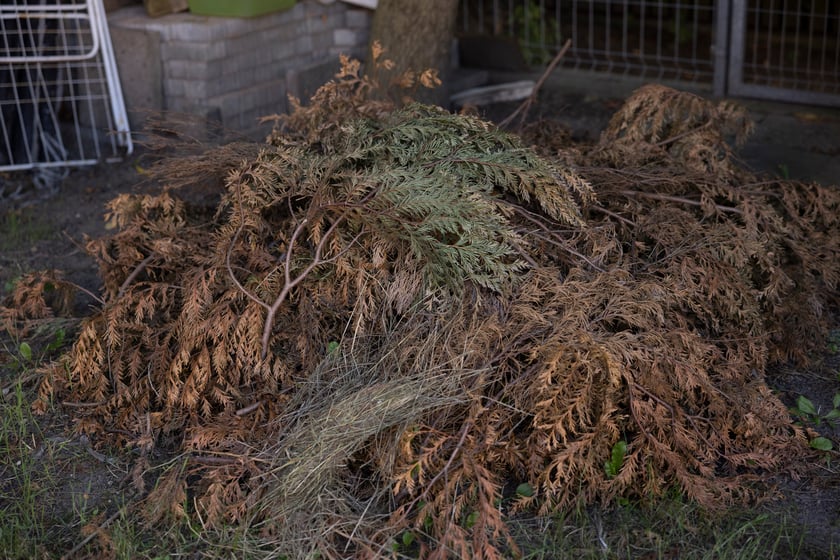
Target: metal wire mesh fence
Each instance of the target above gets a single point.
(663, 40)
(783, 49)
(788, 49)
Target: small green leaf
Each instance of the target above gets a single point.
(332, 347)
(613, 466)
(833, 415)
(525, 490)
(471, 520)
(57, 341)
(804, 405)
(821, 443)
(25, 351)
(407, 538)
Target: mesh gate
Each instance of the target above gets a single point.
(659, 40)
(60, 99)
(779, 49)
(786, 49)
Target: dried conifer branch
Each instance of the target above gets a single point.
(677, 313)
(555, 239)
(88, 292)
(134, 274)
(290, 282)
(613, 215)
(248, 409)
(526, 105)
(706, 125)
(680, 200)
(95, 532)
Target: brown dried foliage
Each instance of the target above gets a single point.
(370, 337)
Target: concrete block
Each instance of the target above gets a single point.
(133, 17)
(179, 104)
(298, 12)
(180, 50)
(285, 51)
(193, 70)
(192, 89)
(304, 81)
(315, 9)
(139, 66)
(187, 30)
(325, 21)
(245, 44)
(236, 69)
(245, 78)
(279, 33)
(251, 119)
(346, 37)
(358, 18)
(238, 106)
(307, 46)
(252, 59)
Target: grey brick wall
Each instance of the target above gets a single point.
(232, 69)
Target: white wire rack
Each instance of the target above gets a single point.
(61, 104)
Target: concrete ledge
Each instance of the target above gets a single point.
(234, 68)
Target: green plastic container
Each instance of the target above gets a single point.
(238, 8)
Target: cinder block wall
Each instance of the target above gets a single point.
(232, 71)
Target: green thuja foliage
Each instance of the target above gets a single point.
(431, 182)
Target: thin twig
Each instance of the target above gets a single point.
(94, 533)
(292, 282)
(289, 282)
(7, 390)
(86, 291)
(445, 470)
(679, 199)
(612, 214)
(82, 405)
(214, 461)
(248, 409)
(233, 277)
(134, 274)
(556, 241)
(526, 105)
(683, 134)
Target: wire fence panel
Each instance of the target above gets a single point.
(778, 49)
(661, 40)
(786, 49)
(60, 99)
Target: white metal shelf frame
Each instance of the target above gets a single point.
(61, 103)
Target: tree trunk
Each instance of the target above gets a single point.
(417, 35)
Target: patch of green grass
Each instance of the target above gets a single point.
(668, 529)
(19, 229)
(34, 469)
(21, 519)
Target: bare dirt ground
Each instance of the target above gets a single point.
(49, 233)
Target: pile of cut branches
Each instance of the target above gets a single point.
(402, 325)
